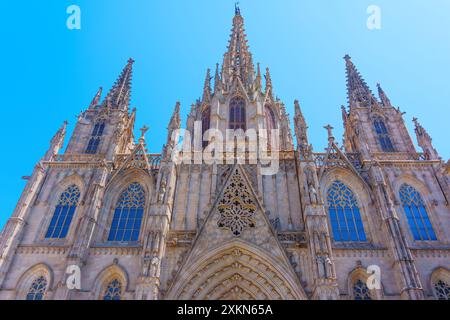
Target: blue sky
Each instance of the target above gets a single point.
(50, 73)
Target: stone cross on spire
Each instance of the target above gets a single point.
(143, 130)
(237, 61)
(329, 129)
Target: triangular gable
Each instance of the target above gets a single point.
(237, 215)
(336, 158)
(137, 159)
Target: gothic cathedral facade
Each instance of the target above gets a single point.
(143, 226)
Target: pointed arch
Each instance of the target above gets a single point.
(111, 283)
(270, 123)
(382, 134)
(128, 214)
(344, 214)
(95, 138)
(416, 213)
(362, 194)
(358, 288)
(63, 213)
(35, 283)
(236, 269)
(237, 115)
(440, 283)
(113, 192)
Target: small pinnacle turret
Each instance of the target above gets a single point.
(96, 100)
(268, 80)
(217, 80)
(207, 87)
(425, 142)
(383, 97)
(57, 142)
(301, 132)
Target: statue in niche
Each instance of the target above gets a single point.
(313, 196)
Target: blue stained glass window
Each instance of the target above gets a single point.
(442, 290)
(128, 214)
(64, 211)
(37, 289)
(113, 290)
(361, 291)
(94, 141)
(383, 135)
(416, 214)
(345, 217)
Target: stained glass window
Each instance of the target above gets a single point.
(128, 213)
(37, 289)
(383, 135)
(64, 211)
(237, 114)
(416, 214)
(361, 291)
(113, 290)
(442, 290)
(206, 120)
(344, 213)
(94, 141)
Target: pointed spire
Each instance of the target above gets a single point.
(359, 93)
(268, 80)
(217, 80)
(207, 87)
(301, 132)
(175, 121)
(258, 77)
(95, 101)
(425, 142)
(119, 95)
(237, 61)
(344, 114)
(57, 142)
(383, 97)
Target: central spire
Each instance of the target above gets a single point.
(359, 93)
(237, 61)
(119, 95)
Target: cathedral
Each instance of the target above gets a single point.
(368, 219)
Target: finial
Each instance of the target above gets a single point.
(347, 57)
(143, 130)
(268, 79)
(237, 10)
(95, 101)
(330, 132)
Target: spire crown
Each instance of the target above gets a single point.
(119, 95)
(359, 93)
(237, 61)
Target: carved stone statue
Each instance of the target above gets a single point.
(162, 191)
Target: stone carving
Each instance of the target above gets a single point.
(237, 207)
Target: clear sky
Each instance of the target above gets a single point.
(50, 73)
